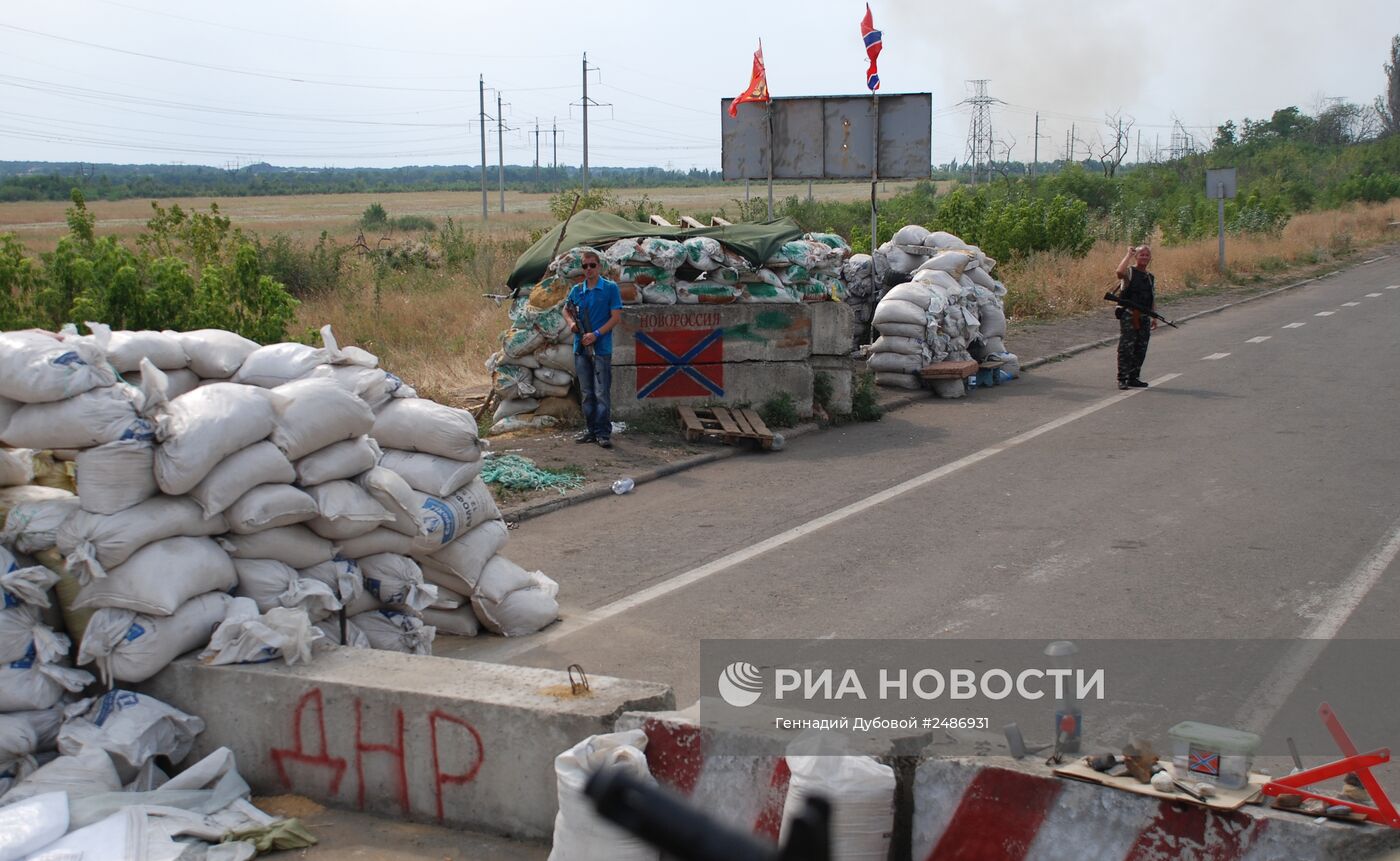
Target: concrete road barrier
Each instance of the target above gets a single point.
(432, 739)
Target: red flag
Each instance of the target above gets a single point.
(874, 41)
(758, 84)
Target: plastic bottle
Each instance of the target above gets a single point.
(623, 485)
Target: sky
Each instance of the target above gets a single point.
(350, 83)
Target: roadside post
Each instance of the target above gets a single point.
(1220, 184)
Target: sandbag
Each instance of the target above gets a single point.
(993, 321)
(129, 647)
(24, 585)
(429, 473)
(459, 621)
(861, 792)
(161, 576)
(354, 637)
(346, 510)
(215, 354)
(394, 494)
(898, 311)
(580, 833)
(895, 344)
(459, 564)
(557, 356)
(448, 600)
(545, 391)
(29, 684)
(93, 543)
(24, 634)
(199, 429)
(396, 632)
(895, 363)
(125, 350)
(179, 381)
(911, 292)
(92, 418)
(16, 464)
(397, 582)
(415, 424)
(954, 263)
(943, 239)
(32, 516)
(512, 601)
(117, 475)
(131, 728)
(910, 234)
(275, 364)
(898, 380)
(240, 472)
(293, 545)
(918, 331)
(39, 367)
(948, 388)
(345, 459)
(446, 517)
(247, 637)
(74, 777)
(270, 505)
(554, 377)
(341, 575)
(371, 385)
(703, 253)
(514, 407)
(379, 540)
(317, 412)
(270, 584)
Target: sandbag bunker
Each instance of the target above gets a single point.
(164, 482)
(941, 307)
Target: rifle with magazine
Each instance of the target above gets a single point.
(1113, 296)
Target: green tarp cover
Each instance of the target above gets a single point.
(755, 242)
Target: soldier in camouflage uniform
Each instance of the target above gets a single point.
(1134, 327)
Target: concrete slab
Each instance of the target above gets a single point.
(833, 324)
(770, 333)
(635, 388)
(430, 739)
(841, 371)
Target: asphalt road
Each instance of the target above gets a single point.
(1250, 493)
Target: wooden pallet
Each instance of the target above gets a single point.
(726, 425)
(949, 370)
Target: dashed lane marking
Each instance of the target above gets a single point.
(1295, 325)
(1213, 356)
(1350, 304)
(1372, 295)
(1324, 313)
(1259, 340)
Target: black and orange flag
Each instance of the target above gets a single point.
(758, 84)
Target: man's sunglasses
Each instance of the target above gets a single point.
(590, 266)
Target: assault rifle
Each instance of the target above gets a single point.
(1112, 296)
(584, 327)
(671, 825)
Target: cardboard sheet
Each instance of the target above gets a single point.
(1224, 799)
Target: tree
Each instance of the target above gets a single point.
(1225, 136)
(1111, 153)
(1388, 105)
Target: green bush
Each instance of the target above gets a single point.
(822, 389)
(305, 271)
(779, 411)
(865, 400)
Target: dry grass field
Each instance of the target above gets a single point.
(435, 328)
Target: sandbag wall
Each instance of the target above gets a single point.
(534, 369)
(944, 305)
(208, 467)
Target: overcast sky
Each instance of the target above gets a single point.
(351, 83)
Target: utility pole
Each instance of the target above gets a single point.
(537, 150)
(1137, 159)
(481, 81)
(500, 150)
(1073, 135)
(585, 123)
(1036, 157)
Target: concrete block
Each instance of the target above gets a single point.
(464, 743)
(634, 388)
(992, 807)
(841, 371)
(833, 327)
(750, 333)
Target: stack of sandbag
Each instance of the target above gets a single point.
(858, 274)
(534, 369)
(943, 306)
(645, 268)
(811, 266)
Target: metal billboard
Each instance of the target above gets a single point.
(829, 137)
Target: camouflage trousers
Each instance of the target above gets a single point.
(1132, 347)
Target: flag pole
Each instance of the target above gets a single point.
(769, 109)
(874, 165)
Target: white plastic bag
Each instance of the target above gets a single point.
(92, 418)
(580, 834)
(92, 543)
(245, 637)
(512, 601)
(268, 506)
(32, 824)
(129, 647)
(240, 472)
(33, 515)
(131, 728)
(37, 367)
(293, 545)
(429, 473)
(161, 576)
(344, 459)
(199, 429)
(214, 353)
(861, 792)
(394, 631)
(116, 475)
(397, 582)
(273, 584)
(459, 564)
(318, 412)
(415, 424)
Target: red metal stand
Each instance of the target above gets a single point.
(1351, 762)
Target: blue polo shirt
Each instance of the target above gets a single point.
(596, 305)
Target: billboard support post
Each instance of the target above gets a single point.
(770, 160)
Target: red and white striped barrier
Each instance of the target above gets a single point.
(999, 809)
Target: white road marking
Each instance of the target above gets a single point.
(1393, 287)
(1350, 304)
(1295, 325)
(1372, 295)
(1259, 340)
(1213, 356)
(1270, 694)
(1324, 313)
(589, 618)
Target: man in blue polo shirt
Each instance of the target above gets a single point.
(593, 309)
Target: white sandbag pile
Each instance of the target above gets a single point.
(103, 795)
(944, 306)
(534, 369)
